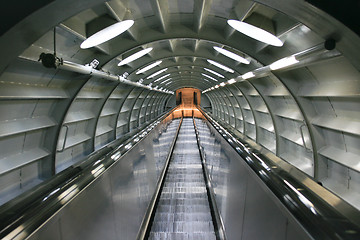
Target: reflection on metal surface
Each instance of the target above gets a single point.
(68, 194)
(98, 170)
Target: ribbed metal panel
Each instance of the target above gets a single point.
(183, 211)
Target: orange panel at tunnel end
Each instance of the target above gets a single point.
(187, 101)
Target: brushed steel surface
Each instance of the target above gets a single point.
(183, 210)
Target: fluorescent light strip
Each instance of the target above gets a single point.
(148, 67)
(232, 55)
(222, 84)
(106, 34)
(165, 81)
(215, 73)
(205, 75)
(231, 81)
(157, 73)
(206, 80)
(162, 77)
(168, 83)
(255, 33)
(135, 56)
(220, 66)
(284, 62)
(248, 75)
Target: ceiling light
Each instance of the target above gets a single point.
(206, 80)
(232, 55)
(162, 77)
(149, 67)
(217, 86)
(284, 62)
(231, 81)
(220, 66)
(106, 34)
(255, 32)
(212, 88)
(135, 56)
(205, 75)
(166, 81)
(248, 75)
(215, 73)
(222, 84)
(157, 73)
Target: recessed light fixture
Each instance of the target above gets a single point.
(215, 73)
(165, 76)
(222, 84)
(106, 34)
(157, 73)
(220, 66)
(248, 75)
(217, 86)
(166, 81)
(148, 67)
(284, 62)
(135, 56)
(231, 81)
(232, 55)
(255, 32)
(205, 75)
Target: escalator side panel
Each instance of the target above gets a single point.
(113, 206)
(247, 207)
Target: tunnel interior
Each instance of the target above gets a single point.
(297, 99)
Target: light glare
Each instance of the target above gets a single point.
(284, 62)
(157, 73)
(248, 75)
(205, 75)
(162, 77)
(232, 55)
(135, 56)
(220, 66)
(106, 34)
(148, 67)
(255, 33)
(213, 72)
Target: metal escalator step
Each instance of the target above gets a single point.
(172, 217)
(184, 227)
(182, 236)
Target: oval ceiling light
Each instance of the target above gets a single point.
(213, 72)
(205, 75)
(157, 73)
(284, 62)
(220, 66)
(248, 75)
(148, 67)
(232, 55)
(135, 56)
(106, 34)
(165, 76)
(255, 32)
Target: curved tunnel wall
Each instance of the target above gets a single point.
(52, 118)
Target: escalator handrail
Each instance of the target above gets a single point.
(151, 210)
(318, 217)
(217, 220)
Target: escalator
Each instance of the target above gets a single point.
(180, 178)
(183, 210)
